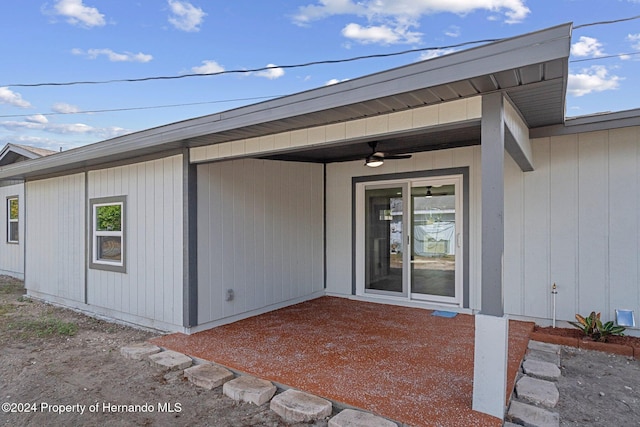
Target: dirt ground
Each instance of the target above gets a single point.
(55, 363)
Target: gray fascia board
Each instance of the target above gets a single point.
(591, 123)
(544, 45)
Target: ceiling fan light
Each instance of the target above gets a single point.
(374, 161)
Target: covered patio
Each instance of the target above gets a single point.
(402, 363)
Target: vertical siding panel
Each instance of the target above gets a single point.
(227, 187)
(259, 234)
(166, 224)
(593, 222)
(513, 238)
(563, 244)
(624, 215)
(239, 213)
(269, 237)
(536, 233)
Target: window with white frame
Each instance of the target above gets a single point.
(12, 219)
(108, 233)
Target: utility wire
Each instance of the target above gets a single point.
(152, 107)
(306, 64)
(604, 57)
(615, 21)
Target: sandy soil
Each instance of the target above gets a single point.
(40, 367)
(45, 362)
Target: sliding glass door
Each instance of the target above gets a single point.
(411, 239)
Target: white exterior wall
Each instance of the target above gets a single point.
(55, 239)
(151, 291)
(339, 211)
(575, 221)
(260, 233)
(12, 254)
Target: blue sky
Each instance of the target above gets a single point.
(98, 40)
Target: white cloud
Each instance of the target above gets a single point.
(38, 118)
(79, 14)
(335, 81)
(592, 79)
(635, 40)
(434, 53)
(113, 56)
(208, 67)
(64, 128)
(587, 46)
(452, 31)
(409, 10)
(7, 96)
(185, 16)
(381, 34)
(64, 108)
(272, 72)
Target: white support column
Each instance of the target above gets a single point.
(492, 328)
(490, 365)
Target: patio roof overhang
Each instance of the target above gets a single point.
(530, 69)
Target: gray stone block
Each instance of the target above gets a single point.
(208, 376)
(532, 416)
(139, 351)
(170, 360)
(296, 406)
(543, 356)
(542, 370)
(353, 418)
(537, 391)
(543, 346)
(249, 389)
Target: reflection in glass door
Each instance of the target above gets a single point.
(433, 252)
(383, 240)
(411, 243)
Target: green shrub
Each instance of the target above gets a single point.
(593, 327)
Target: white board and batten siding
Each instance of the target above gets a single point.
(56, 239)
(575, 221)
(151, 291)
(260, 234)
(12, 259)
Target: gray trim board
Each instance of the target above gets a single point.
(492, 155)
(464, 171)
(591, 123)
(190, 242)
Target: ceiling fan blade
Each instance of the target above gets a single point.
(397, 156)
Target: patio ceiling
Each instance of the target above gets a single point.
(530, 69)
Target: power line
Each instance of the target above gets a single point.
(604, 57)
(152, 107)
(290, 66)
(254, 70)
(615, 21)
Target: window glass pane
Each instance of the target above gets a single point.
(13, 231)
(109, 248)
(13, 208)
(109, 218)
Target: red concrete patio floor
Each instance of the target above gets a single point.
(401, 363)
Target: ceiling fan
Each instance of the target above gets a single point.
(377, 158)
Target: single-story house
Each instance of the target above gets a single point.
(11, 214)
(454, 182)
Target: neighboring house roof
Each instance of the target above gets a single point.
(531, 69)
(14, 153)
